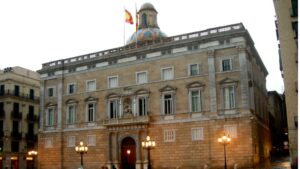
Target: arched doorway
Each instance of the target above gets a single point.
(128, 155)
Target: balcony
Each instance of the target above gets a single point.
(16, 115)
(31, 136)
(122, 121)
(32, 118)
(26, 96)
(16, 135)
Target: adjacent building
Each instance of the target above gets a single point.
(287, 33)
(183, 91)
(19, 109)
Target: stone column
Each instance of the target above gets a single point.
(42, 104)
(138, 164)
(212, 81)
(59, 102)
(109, 150)
(116, 162)
(244, 80)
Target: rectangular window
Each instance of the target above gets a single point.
(31, 128)
(50, 117)
(169, 135)
(197, 133)
(90, 85)
(91, 112)
(142, 106)
(193, 69)
(31, 94)
(71, 88)
(168, 104)
(226, 65)
(113, 109)
(195, 101)
(16, 108)
(50, 92)
(71, 116)
(15, 146)
(229, 97)
(167, 73)
(231, 130)
(141, 77)
(2, 90)
(91, 140)
(15, 126)
(113, 82)
(71, 141)
(17, 90)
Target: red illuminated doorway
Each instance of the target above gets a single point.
(128, 154)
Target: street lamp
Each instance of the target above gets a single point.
(148, 145)
(81, 149)
(33, 153)
(224, 140)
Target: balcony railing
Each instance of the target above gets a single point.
(19, 94)
(16, 115)
(16, 135)
(127, 121)
(31, 136)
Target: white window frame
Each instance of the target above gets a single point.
(117, 114)
(68, 113)
(109, 83)
(53, 91)
(146, 106)
(162, 73)
(69, 84)
(229, 96)
(231, 130)
(169, 135)
(53, 108)
(172, 110)
(197, 133)
(137, 77)
(199, 109)
(91, 140)
(230, 64)
(87, 85)
(87, 112)
(189, 69)
(71, 141)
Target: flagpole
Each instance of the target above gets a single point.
(124, 27)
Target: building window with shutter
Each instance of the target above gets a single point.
(113, 108)
(167, 73)
(168, 103)
(231, 130)
(142, 107)
(229, 97)
(90, 85)
(91, 140)
(141, 77)
(50, 116)
(71, 141)
(50, 92)
(113, 81)
(91, 109)
(71, 88)
(226, 65)
(71, 114)
(195, 100)
(193, 69)
(197, 133)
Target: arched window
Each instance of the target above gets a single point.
(144, 20)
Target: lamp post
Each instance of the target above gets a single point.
(148, 145)
(81, 149)
(224, 140)
(33, 153)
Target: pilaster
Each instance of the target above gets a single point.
(212, 81)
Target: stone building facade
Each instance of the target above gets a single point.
(19, 109)
(287, 34)
(183, 91)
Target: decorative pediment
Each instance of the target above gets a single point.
(167, 88)
(195, 84)
(50, 104)
(228, 80)
(142, 91)
(71, 101)
(113, 95)
(90, 99)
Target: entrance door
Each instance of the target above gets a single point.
(128, 155)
